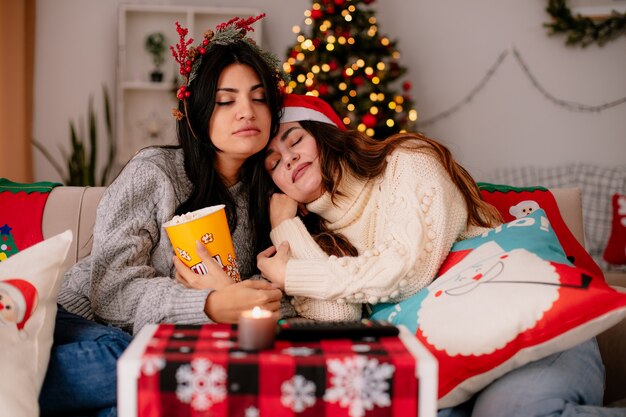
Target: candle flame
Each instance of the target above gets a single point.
(257, 312)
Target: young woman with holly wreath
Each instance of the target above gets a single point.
(228, 110)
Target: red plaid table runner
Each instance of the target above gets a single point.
(199, 371)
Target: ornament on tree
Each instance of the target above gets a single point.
(369, 120)
(358, 66)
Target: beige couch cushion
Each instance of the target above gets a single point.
(72, 208)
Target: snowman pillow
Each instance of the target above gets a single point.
(502, 300)
(29, 284)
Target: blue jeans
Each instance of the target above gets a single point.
(569, 383)
(81, 378)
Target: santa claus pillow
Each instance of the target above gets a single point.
(29, 283)
(516, 202)
(615, 251)
(502, 300)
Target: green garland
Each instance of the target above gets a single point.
(584, 30)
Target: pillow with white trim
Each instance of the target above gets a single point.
(29, 284)
(502, 300)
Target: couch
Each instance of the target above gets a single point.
(75, 208)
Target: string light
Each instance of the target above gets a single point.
(566, 104)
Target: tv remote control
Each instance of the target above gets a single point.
(298, 329)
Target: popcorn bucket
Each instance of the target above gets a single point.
(209, 226)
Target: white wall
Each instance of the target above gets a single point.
(448, 47)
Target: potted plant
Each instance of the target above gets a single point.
(155, 45)
(80, 163)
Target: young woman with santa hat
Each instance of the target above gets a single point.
(385, 215)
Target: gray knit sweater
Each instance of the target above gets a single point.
(127, 280)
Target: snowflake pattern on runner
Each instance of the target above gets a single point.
(297, 393)
(151, 364)
(201, 384)
(359, 383)
(251, 411)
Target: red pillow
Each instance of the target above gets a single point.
(517, 202)
(615, 251)
(21, 212)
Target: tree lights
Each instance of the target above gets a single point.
(340, 56)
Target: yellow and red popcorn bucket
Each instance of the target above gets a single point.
(209, 226)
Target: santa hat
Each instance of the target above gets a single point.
(298, 108)
(24, 295)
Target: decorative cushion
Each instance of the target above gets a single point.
(29, 283)
(615, 251)
(517, 202)
(598, 184)
(501, 300)
(21, 212)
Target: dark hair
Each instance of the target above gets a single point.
(366, 158)
(208, 187)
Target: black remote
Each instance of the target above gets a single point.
(305, 330)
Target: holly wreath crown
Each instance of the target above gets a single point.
(189, 57)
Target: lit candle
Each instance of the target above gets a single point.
(256, 329)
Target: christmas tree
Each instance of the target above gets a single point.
(7, 243)
(341, 57)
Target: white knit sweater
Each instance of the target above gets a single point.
(403, 225)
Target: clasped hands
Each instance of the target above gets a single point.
(225, 304)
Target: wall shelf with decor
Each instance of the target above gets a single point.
(143, 106)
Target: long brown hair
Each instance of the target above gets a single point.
(365, 158)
